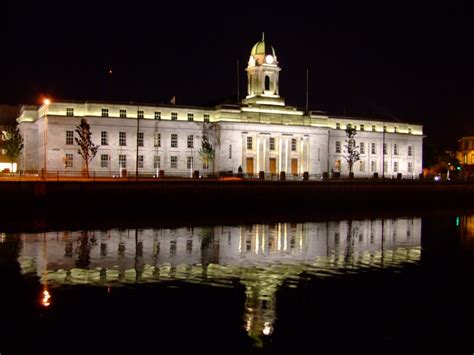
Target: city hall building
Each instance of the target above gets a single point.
(262, 133)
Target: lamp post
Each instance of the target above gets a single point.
(46, 102)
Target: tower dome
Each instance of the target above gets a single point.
(262, 52)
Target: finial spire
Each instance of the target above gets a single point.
(263, 36)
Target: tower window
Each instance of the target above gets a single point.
(267, 82)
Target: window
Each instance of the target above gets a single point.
(372, 167)
(374, 128)
(373, 149)
(395, 166)
(122, 139)
(338, 147)
(362, 127)
(104, 161)
(410, 151)
(141, 114)
(362, 148)
(140, 139)
(272, 143)
(190, 116)
(174, 141)
(230, 151)
(249, 143)
(69, 137)
(385, 128)
(69, 160)
(395, 149)
(157, 140)
(385, 165)
(123, 113)
(174, 116)
(156, 162)
(191, 141)
(338, 125)
(395, 129)
(122, 161)
(348, 126)
(385, 148)
(189, 162)
(409, 130)
(174, 162)
(293, 144)
(206, 118)
(157, 115)
(105, 112)
(362, 166)
(104, 138)
(410, 167)
(69, 111)
(140, 161)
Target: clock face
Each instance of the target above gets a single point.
(269, 59)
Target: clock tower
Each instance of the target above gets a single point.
(262, 76)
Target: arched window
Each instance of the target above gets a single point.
(267, 82)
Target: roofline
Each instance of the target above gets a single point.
(373, 119)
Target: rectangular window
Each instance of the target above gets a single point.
(69, 160)
(156, 162)
(174, 141)
(272, 143)
(410, 167)
(190, 116)
(230, 151)
(140, 161)
(123, 113)
(122, 161)
(338, 125)
(385, 165)
(362, 148)
(362, 166)
(157, 115)
(410, 151)
(174, 162)
(69, 137)
(372, 166)
(69, 111)
(293, 144)
(319, 154)
(395, 129)
(409, 130)
(104, 138)
(373, 149)
(141, 138)
(374, 128)
(338, 147)
(141, 114)
(206, 118)
(105, 112)
(122, 139)
(362, 127)
(385, 128)
(385, 148)
(157, 140)
(189, 162)
(395, 166)
(191, 141)
(249, 143)
(104, 161)
(174, 116)
(395, 149)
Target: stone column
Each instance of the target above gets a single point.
(244, 152)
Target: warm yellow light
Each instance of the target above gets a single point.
(46, 102)
(46, 300)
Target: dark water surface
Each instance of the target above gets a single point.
(386, 285)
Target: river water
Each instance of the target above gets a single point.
(381, 285)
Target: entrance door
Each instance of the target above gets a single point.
(294, 166)
(273, 166)
(250, 166)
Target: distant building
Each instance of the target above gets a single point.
(466, 150)
(260, 134)
(8, 115)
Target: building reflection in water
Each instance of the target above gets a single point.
(262, 257)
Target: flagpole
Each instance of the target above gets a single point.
(307, 89)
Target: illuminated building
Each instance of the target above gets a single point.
(262, 133)
(466, 150)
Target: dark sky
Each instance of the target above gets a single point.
(408, 61)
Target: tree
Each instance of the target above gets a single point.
(12, 142)
(206, 152)
(351, 151)
(87, 150)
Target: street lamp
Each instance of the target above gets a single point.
(46, 102)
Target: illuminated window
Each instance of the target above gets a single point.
(362, 127)
(69, 137)
(189, 162)
(373, 149)
(338, 147)
(395, 166)
(69, 160)
(105, 112)
(206, 118)
(372, 166)
(272, 143)
(104, 161)
(362, 148)
(157, 140)
(156, 162)
(123, 113)
(69, 111)
(362, 166)
(230, 151)
(338, 125)
(191, 141)
(122, 161)
(410, 167)
(374, 128)
(385, 148)
(157, 115)
(385, 165)
(174, 116)
(385, 128)
(140, 161)
(122, 139)
(140, 139)
(174, 162)
(141, 114)
(190, 116)
(249, 143)
(104, 138)
(395, 149)
(174, 141)
(293, 144)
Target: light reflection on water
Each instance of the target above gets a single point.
(261, 257)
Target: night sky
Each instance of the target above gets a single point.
(410, 62)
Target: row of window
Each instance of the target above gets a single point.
(140, 114)
(373, 166)
(374, 128)
(373, 148)
(272, 143)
